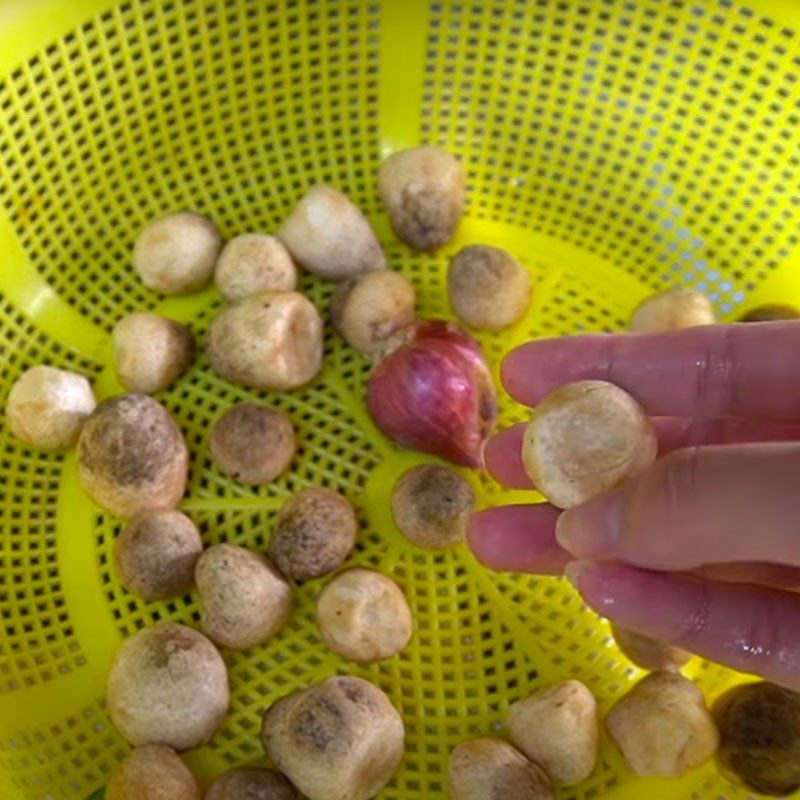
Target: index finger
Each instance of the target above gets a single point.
(712, 371)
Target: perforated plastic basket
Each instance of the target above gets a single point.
(613, 146)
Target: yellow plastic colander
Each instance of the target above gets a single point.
(614, 146)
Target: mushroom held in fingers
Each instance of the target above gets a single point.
(585, 438)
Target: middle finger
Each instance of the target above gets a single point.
(503, 453)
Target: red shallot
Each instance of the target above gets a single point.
(433, 392)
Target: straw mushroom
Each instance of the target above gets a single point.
(330, 237)
(132, 457)
(253, 263)
(585, 438)
(156, 553)
(168, 685)
(245, 600)
(47, 407)
(271, 340)
(423, 190)
(177, 253)
(150, 352)
(339, 739)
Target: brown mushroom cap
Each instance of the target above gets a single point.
(156, 553)
(251, 783)
(152, 772)
(423, 190)
(431, 505)
(760, 737)
(253, 444)
(169, 685)
(314, 532)
(339, 739)
(771, 312)
(245, 600)
(132, 457)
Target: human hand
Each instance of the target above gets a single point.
(702, 550)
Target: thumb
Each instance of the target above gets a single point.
(708, 505)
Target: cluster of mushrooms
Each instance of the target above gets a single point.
(341, 738)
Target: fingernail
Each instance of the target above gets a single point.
(574, 570)
(591, 529)
(482, 453)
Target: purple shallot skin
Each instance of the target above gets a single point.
(433, 392)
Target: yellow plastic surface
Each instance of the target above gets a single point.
(614, 146)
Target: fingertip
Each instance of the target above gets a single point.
(479, 537)
(535, 368)
(524, 372)
(517, 538)
(510, 368)
(488, 534)
(591, 530)
(502, 458)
